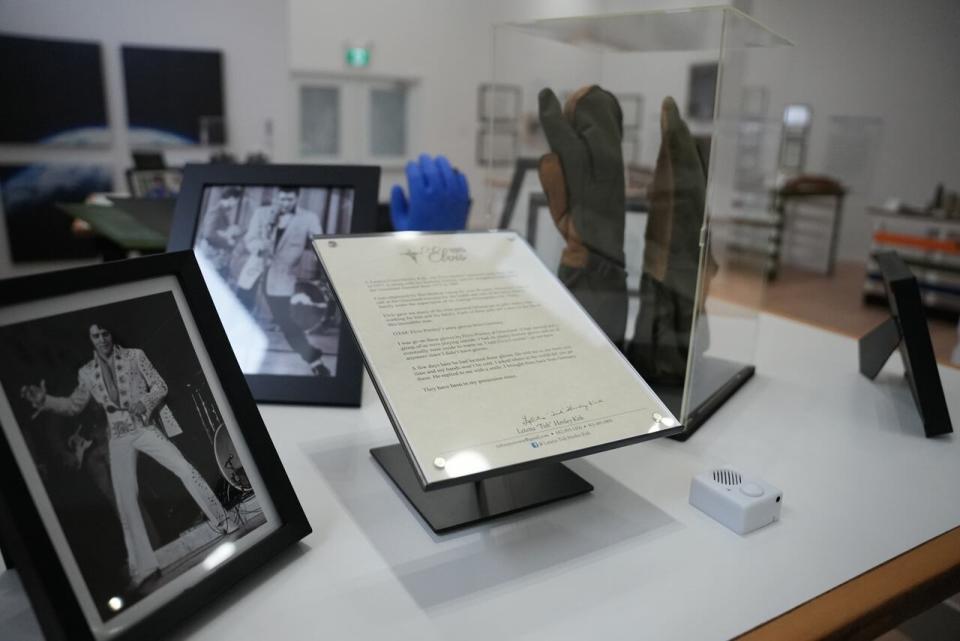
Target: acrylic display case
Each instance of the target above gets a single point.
(683, 297)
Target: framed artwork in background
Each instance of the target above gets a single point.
(250, 227)
(55, 96)
(174, 97)
(702, 90)
(137, 479)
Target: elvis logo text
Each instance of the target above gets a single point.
(436, 254)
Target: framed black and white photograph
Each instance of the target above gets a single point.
(250, 227)
(498, 102)
(702, 90)
(137, 480)
(497, 146)
(154, 183)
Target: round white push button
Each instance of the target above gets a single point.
(751, 489)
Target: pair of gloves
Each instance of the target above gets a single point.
(583, 179)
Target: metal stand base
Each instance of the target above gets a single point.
(719, 377)
(471, 503)
(715, 401)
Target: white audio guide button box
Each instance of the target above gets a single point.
(740, 503)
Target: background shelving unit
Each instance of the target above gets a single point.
(930, 245)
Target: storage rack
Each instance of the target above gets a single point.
(930, 245)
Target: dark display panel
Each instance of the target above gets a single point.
(174, 96)
(53, 92)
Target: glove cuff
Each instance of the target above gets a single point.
(602, 263)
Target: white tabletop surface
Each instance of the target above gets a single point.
(631, 560)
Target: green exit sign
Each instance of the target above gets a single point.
(358, 56)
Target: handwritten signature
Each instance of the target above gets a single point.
(559, 411)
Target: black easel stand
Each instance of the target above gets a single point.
(460, 506)
(922, 376)
(877, 346)
(5, 545)
(907, 329)
(6, 558)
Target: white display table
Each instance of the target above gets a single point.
(632, 560)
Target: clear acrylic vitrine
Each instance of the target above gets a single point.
(684, 233)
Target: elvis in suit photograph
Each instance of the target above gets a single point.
(278, 243)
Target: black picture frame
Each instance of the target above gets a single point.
(27, 543)
(345, 387)
(153, 183)
(907, 329)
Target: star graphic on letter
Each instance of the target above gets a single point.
(412, 254)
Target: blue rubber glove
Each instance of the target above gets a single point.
(439, 197)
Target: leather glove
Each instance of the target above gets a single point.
(671, 257)
(439, 197)
(583, 180)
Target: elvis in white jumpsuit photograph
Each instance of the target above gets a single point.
(125, 384)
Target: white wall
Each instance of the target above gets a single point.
(888, 58)
(251, 33)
